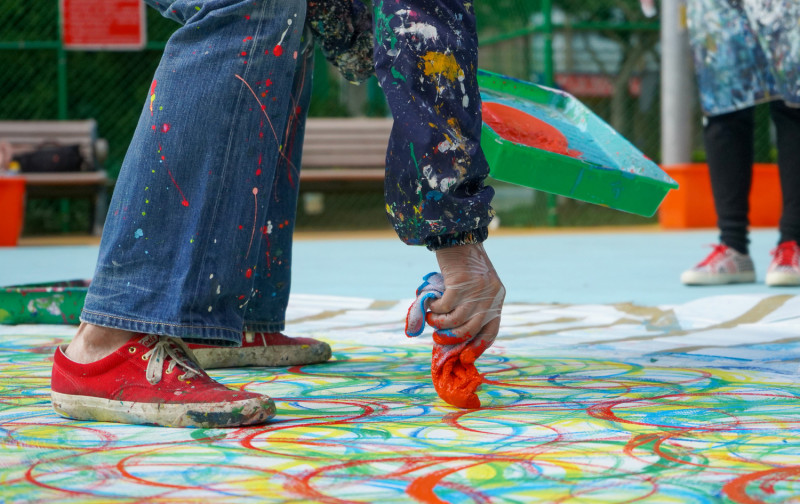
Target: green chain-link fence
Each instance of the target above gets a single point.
(605, 52)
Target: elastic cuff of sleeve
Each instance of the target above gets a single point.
(463, 238)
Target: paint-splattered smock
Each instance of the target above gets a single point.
(426, 55)
(746, 52)
(425, 58)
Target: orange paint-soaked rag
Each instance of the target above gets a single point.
(455, 377)
(453, 371)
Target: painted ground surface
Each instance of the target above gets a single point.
(691, 403)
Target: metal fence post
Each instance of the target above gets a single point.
(677, 91)
(61, 55)
(549, 80)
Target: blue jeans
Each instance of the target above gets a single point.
(198, 237)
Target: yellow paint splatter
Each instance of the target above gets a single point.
(441, 64)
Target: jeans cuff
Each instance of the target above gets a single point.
(268, 327)
(218, 336)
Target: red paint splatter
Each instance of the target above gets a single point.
(522, 128)
(737, 490)
(268, 82)
(244, 53)
(241, 227)
(249, 272)
(298, 111)
(185, 203)
(258, 172)
(247, 39)
(247, 17)
(278, 51)
(165, 127)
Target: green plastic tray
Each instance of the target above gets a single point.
(602, 167)
(51, 303)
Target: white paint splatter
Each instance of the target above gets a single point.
(423, 30)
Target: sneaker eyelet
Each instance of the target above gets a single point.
(168, 371)
(181, 377)
(132, 349)
(145, 357)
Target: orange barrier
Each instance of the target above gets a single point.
(12, 209)
(692, 205)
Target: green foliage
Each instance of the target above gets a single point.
(28, 20)
(504, 15)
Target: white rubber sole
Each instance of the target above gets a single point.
(263, 356)
(781, 279)
(204, 415)
(692, 277)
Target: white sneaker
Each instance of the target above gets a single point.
(785, 267)
(723, 265)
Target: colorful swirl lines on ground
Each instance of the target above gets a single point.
(368, 427)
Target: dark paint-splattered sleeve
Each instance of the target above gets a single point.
(426, 55)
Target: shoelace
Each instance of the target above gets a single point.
(717, 251)
(166, 348)
(785, 254)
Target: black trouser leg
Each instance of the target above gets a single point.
(787, 124)
(729, 151)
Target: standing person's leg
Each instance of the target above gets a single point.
(729, 141)
(263, 344)
(729, 150)
(785, 266)
(179, 251)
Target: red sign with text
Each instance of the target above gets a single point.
(103, 24)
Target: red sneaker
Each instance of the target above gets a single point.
(151, 380)
(263, 349)
(785, 267)
(723, 265)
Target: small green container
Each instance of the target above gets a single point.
(604, 169)
(51, 303)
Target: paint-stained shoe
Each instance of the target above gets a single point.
(263, 349)
(785, 267)
(151, 380)
(723, 265)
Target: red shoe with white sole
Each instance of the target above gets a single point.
(263, 349)
(723, 265)
(785, 267)
(151, 380)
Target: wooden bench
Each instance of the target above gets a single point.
(338, 154)
(344, 153)
(92, 183)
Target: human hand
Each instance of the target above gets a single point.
(469, 310)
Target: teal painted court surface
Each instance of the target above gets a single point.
(571, 267)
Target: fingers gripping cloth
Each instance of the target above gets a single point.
(453, 371)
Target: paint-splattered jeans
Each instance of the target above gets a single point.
(197, 242)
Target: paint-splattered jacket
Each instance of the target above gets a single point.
(426, 56)
(746, 52)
